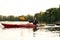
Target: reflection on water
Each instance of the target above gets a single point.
(57, 32)
(27, 34)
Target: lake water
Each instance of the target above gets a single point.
(27, 34)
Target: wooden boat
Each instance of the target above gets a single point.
(18, 25)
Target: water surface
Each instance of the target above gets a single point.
(27, 34)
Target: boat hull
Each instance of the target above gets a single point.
(19, 25)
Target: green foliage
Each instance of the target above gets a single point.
(14, 18)
(29, 17)
(8, 18)
(1, 18)
(50, 16)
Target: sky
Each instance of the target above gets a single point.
(25, 7)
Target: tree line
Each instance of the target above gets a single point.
(15, 18)
(51, 15)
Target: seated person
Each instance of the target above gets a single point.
(35, 22)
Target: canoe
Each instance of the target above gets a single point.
(19, 25)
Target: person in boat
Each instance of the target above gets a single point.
(35, 22)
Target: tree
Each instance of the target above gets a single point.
(10, 18)
(50, 15)
(1, 17)
(29, 17)
(4, 18)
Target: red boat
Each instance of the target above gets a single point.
(18, 25)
